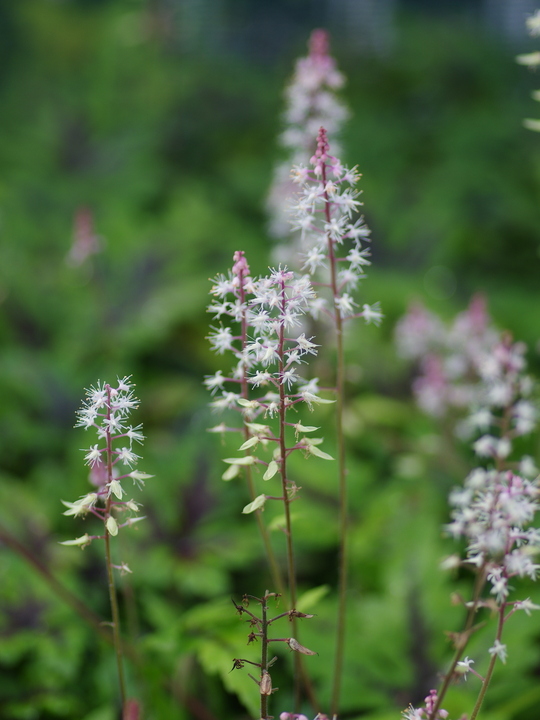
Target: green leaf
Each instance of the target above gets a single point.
(271, 470)
(319, 453)
(311, 598)
(217, 659)
(304, 428)
(248, 460)
(250, 443)
(231, 472)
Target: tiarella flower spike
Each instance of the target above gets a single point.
(112, 459)
(266, 315)
(330, 237)
(450, 357)
(496, 506)
(311, 101)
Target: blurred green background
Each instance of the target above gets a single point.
(155, 123)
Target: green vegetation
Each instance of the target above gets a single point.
(173, 153)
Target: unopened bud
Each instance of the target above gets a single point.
(266, 683)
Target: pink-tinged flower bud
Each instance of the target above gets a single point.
(98, 474)
(310, 102)
(240, 264)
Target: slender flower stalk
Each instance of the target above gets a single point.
(106, 409)
(238, 286)
(333, 253)
(268, 353)
(495, 508)
(259, 628)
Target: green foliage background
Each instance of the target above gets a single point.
(172, 149)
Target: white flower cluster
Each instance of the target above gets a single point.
(267, 351)
(311, 102)
(265, 380)
(494, 509)
(449, 356)
(503, 387)
(311, 99)
(111, 459)
(331, 239)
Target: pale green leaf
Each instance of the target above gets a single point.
(308, 600)
(83, 540)
(231, 472)
(271, 470)
(249, 443)
(319, 453)
(257, 504)
(112, 526)
(247, 460)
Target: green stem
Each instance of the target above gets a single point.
(342, 471)
(275, 572)
(264, 653)
(283, 468)
(110, 573)
(301, 675)
(463, 640)
(298, 666)
(115, 619)
(487, 679)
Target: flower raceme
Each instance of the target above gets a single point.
(331, 240)
(496, 506)
(265, 339)
(111, 460)
(311, 101)
(449, 357)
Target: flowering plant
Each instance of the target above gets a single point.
(106, 409)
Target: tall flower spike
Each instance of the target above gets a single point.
(449, 356)
(106, 410)
(495, 508)
(268, 345)
(112, 459)
(333, 247)
(331, 239)
(311, 101)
